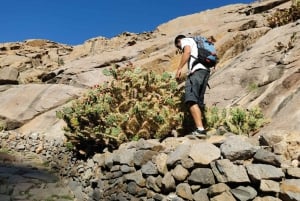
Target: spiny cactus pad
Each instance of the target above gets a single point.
(135, 104)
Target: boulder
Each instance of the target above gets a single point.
(9, 75)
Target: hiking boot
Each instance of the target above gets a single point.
(199, 133)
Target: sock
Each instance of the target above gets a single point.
(200, 128)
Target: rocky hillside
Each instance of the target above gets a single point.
(259, 65)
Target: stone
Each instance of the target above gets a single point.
(201, 195)
(236, 148)
(99, 159)
(9, 75)
(294, 172)
(204, 153)
(115, 168)
(143, 144)
(269, 186)
(108, 159)
(270, 138)
(181, 152)
(258, 172)
(267, 157)
(187, 163)
(127, 169)
(180, 173)
(132, 188)
(161, 163)
(90, 163)
(168, 182)
(244, 193)
(225, 196)
(143, 156)
(280, 148)
(149, 168)
(290, 190)
(217, 189)
(267, 198)
(174, 197)
(151, 184)
(183, 190)
(158, 197)
(226, 171)
(137, 177)
(126, 156)
(203, 176)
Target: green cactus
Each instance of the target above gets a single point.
(138, 104)
(236, 120)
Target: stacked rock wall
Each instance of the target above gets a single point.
(220, 168)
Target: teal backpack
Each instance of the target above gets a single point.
(207, 54)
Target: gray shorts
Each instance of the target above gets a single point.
(195, 86)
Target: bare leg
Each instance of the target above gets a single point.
(196, 114)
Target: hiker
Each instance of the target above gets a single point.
(196, 81)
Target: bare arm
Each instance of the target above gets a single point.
(184, 59)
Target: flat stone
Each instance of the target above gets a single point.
(127, 169)
(201, 195)
(125, 156)
(226, 171)
(262, 171)
(294, 172)
(203, 176)
(141, 157)
(269, 186)
(290, 190)
(244, 193)
(267, 198)
(149, 168)
(267, 157)
(217, 189)
(236, 148)
(225, 196)
(182, 151)
(9, 75)
(168, 182)
(209, 153)
(137, 177)
(183, 190)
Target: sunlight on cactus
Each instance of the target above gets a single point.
(136, 104)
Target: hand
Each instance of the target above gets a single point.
(178, 74)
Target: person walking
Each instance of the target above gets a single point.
(196, 81)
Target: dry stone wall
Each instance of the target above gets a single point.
(229, 168)
(218, 168)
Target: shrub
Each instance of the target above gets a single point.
(235, 119)
(284, 16)
(136, 104)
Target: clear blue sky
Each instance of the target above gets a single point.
(74, 21)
